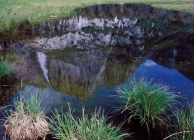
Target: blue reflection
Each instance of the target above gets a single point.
(170, 77)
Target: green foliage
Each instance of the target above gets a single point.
(5, 69)
(29, 105)
(68, 127)
(32, 106)
(185, 124)
(146, 101)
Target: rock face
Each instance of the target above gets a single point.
(106, 25)
(109, 25)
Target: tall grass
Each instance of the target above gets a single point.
(5, 68)
(185, 124)
(146, 101)
(26, 120)
(94, 127)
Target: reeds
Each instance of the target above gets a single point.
(146, 101)
(86, 127)
(185, 124)
(26, 121)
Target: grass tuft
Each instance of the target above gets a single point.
(146, 101)
(26, 120)
(185, 124)
(94, 127)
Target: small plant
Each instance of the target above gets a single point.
(185, 124)
(68, 127)
(146, 101)
(26, 121)
(5, 69)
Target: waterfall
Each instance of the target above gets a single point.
(42, 61)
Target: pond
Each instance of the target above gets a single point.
(83, 59)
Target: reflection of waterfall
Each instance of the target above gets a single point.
(42, 61)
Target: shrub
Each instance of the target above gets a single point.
(68, 127)
(26, 121)
(146, 101)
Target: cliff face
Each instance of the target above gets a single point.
(104, 25)
(110, 25)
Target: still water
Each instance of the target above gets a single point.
(83, 59)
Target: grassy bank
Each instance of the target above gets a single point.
(15, 11)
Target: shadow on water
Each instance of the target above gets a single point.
(83, 59)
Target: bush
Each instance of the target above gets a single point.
(67, 127)
(26, 121)
(145, 101)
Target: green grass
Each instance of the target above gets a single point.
(185, 124)
(26, 120)
(15, 11)
(146, 101)
(8, 62)
(5, 68)
(86, 127)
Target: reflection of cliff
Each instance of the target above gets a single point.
(80, 76)
(178, 57)
(79, 73)
(87, 70)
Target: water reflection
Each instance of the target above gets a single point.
(83, 59)
(170, 77)
(42, 61)
(79, 72)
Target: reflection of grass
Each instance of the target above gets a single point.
(5, 69)
(68, 127)
(13, 12)
(185, 124)
(146, 101)
(13, 58)
(26, 121)
(8, 62)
